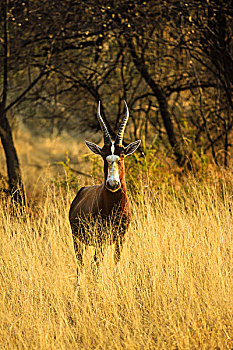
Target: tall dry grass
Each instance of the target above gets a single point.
(171, 290)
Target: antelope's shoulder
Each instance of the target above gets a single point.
(85, 199)
(84, 192)
(87, 191)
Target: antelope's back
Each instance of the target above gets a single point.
(85, 202)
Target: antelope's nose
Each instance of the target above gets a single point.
(113, 185)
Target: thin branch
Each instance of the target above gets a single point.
(45, 70)
(189, 87)
(23, 94)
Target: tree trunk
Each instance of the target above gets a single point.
(162, 100)
(13, 168)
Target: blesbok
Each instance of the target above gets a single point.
(100, 214)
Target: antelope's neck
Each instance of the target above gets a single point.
(118, 198)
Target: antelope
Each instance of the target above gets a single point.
(100, 214)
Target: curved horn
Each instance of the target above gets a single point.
(107, 138)
(120, 134)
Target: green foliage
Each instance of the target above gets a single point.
(96, 166)
(202, 161)
(146, 169)
(69, 180)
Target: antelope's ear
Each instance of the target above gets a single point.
(131, 148)
(94, 148)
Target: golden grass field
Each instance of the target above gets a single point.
(171, 290)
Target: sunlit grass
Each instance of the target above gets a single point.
(171, 290)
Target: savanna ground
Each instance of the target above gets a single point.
(171, 290)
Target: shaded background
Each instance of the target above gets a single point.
(171, 61)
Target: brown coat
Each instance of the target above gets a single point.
(98, 216)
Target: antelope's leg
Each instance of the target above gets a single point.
(118, 249)
(97, 259)
(79, 250)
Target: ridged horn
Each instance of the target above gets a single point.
(107, 138)
(120, 134)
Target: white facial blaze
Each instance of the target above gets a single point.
(113, 148)
(113, 173)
